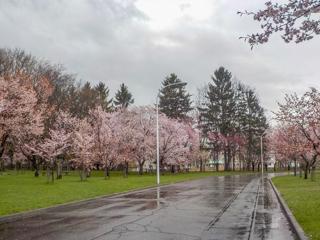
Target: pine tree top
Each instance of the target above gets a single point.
(175, 102)
(123, 97)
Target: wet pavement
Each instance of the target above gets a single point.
(231, 207)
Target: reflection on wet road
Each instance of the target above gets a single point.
(232, 207)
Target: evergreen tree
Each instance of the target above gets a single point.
(102, 95)
(175, 102)
(123, 97)
(251, 122)
(218, 113)
(254, 125)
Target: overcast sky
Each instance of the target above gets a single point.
(140, 42)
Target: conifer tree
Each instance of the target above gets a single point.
(218, 113)
(175, 101)
(123, 97)
(251, 122)
(102, 97)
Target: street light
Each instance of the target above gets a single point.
(261, 145)
(157, 127)
(261, 155)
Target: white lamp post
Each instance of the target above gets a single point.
(261, 146)
(157, 128)
(261, 155)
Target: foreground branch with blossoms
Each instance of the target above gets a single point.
(297, 21)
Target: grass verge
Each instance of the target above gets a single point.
(303, 199)
(21, 191)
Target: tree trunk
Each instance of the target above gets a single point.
(1, 165)
(83, 174)
(36, 172)
(106, 173)
(295, 167)
(161, 167)
(11, 163)
(229, 158)
(252, 165)
(225, 160)
(68, 168)
(59, 170)
(141, 168)
(48, 174)
(306, 171)
(35, 165)
(52, 175)
(241, 162)
(233, 162)
(313, 173)
(3, 142)
(125, 170)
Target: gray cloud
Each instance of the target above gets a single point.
(112, 41)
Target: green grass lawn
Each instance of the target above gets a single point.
(22, 191)
(303, 198)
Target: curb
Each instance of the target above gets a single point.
(292, 220)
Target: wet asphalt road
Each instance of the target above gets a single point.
(232, 207)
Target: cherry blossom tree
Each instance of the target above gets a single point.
(111, 138)
(25, 149)
(56, 145)
(144, 139)
(284, 145)
(21, 116)
(118, 151)
(83, 148)
(302, 115)
(175, 142)
(296, 20)
(192, 144)
(102, 148)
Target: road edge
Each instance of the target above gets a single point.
(292, 220)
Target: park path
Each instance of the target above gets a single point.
(230, 207)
